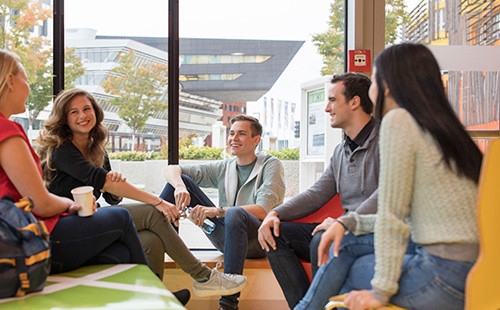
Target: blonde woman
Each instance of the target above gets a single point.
(109, 236)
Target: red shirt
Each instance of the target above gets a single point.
(11, 129)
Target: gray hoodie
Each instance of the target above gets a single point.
(353, 174)
(264, 187)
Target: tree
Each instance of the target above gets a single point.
(330, 44)
(138, 91)
(395, 17)
(18, 17)
(6, 6)
(35, 52)
(42, 87)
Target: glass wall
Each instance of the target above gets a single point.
(234, 58)
(127, 76)
(253, 57)
(27, 31)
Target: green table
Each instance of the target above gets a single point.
(125, 286)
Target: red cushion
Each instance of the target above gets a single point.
(332, 208)
(307, 269)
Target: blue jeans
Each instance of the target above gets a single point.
(427, 281)
(293, 244)
(107, 237)
(330, 278)
(235, 235)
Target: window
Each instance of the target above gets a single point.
(43, 29)
(223, 59)
(464, 88)
(282, 144)
(31, 46)
(103, 31)
(209, 77)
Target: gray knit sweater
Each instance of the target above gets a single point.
(418, 195)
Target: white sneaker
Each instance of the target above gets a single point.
(220, 284)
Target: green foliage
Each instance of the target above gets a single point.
(330, 44)
(41, 88)
(195, 152)
(35, 52)
(189, 151)
(138, 91)
(134, 156)
(286, 154)
(395, 17)
(200, 152)
(186, 139)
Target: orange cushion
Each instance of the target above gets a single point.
(332, 208)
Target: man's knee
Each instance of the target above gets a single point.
(235, 212)
(235, 215)
(168, 191)
(281, 246)
(187, 180)
(282, 241)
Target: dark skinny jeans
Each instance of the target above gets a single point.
(235, 235)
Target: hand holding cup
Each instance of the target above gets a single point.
(83, 196)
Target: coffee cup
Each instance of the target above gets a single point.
(83, 195)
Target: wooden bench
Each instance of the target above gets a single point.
(212, 257)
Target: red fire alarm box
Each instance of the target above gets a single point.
(359, 61)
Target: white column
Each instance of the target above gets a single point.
(218, 135)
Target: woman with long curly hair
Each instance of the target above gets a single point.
(72, 152)
(108, 236)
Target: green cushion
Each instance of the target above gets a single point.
(125, 286)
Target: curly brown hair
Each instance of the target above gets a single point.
(56, 131)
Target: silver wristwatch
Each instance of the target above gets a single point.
(221, 211)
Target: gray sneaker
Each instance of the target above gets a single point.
(220, 284)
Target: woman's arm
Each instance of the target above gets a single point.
(22, 170)
(173, 174)
(70, 160)
(398, 137)
(125, 189)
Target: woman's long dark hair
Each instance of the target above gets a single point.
(412, 75)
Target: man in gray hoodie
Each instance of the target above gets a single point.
(352, 173)
(250, 185)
